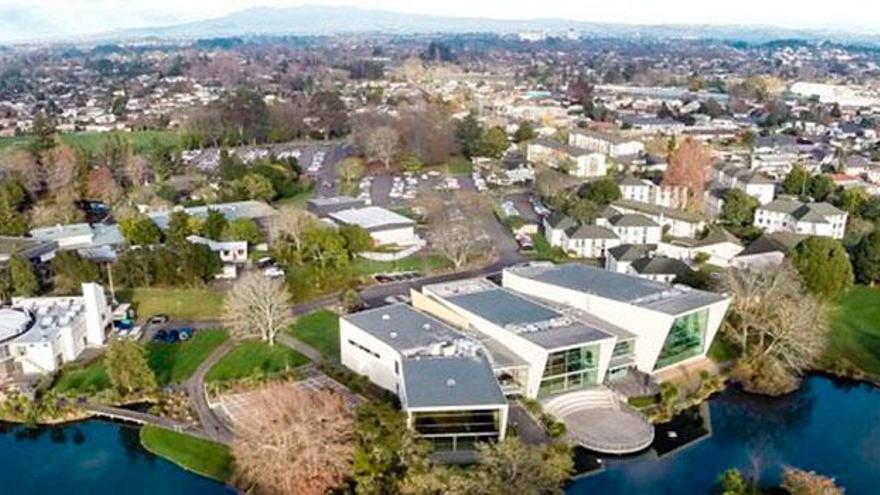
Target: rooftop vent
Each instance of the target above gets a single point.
(393, 335)
(450, 382)
(426, 326)
(386, 317)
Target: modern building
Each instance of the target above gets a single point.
(385, 226)
(787, 214)
(444, 378)
(38, 335)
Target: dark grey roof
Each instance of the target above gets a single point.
(660, 265)
(509, 309)
(629, 180)
(560, 220)
(590, 232)
(651, 209)
(402, 327)
(631, 252)
(782, 242)
(632, 220)
(450, 382)
(628, 289)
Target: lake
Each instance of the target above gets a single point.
(830, 426)
(90, 457)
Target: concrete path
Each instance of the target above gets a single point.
(294, 343)
(195, 388)
(527, 429)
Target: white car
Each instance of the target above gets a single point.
(273, 272)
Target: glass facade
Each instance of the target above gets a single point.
(686, 339)
(457, 430)
(570, 369)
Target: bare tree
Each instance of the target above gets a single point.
(351, 169)
(779, 327)
(103, 186)
(304, 444)
(427, 132)
(456, 230)
(257, 306)
(383, 144)
(16, 163)
(61, 170)
(289, 224)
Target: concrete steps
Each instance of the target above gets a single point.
(565, 404)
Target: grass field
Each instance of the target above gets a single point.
(183, 304)
(255, 358)
(320, 330)
(203, 457)
(88, 379)
(90, 141)
(174, 363)
(855, 331)
(423, 264)
(459, 166)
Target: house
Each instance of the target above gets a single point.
(645, 191)
(767, 250)
(385, 226)
(719, 247)
(619, 258)
(588, 241)
(444, 379)
(658, 268)
(755, 184)
(632, 228)
(673, 222)
(608, 144)
(555, 227)
(787, 214)
(634, 189)
(97, 242)
(583, 163)
(38, 335)
(34, 250)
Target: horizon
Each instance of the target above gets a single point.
(57, 20)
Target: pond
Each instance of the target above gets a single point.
(830, 426)
(94, 457)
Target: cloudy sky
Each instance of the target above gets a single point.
(42, 17)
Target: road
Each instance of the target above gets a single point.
(327, 175)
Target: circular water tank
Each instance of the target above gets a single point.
(13, 322)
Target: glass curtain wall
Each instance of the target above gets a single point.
(457, 430)
(571, 369)
(686, 339)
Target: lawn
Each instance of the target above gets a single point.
(544, 251)
(79, 379)
(174, 363)
(204, 457)
(255, 358)
(459, 166)
(89, 141)
(855, 331)
(422, 264)
(183, 304)
(320, 330)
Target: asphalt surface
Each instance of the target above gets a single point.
(195, 388)
(327, 176)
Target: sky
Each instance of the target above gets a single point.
(41, 17)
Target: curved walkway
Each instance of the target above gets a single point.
(215, 428)
(122, 414)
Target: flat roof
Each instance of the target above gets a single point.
(528, 318)
(464, 381)
(231, 211)
(50, 315)
(13, 322)
(402, 327)
(629, 289)
(371, 218)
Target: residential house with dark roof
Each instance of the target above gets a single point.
(787, 214)
(719, 247)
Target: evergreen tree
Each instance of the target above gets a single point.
(866, 259)
(24, 281)
(797, 181)
(179, 227)
(525, 132)
(214, 224)
(128, 368)
(824, 266)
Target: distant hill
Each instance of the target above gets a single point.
(324, 20)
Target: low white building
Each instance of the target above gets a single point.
(385, 227)
(786, 214)
(674, 222)
(719, 248)
(230, 252)
(587, 241)
(632, 228)
(38, 335)
(608, 144)
(755, 184)
(584, 163)
(444, 379)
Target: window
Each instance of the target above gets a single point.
(686, 339)
(570, 369)
(372, 353)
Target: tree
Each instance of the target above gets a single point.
(731, 482)
(72, 270)
(698, 279)
(820, 187)
(195, 263)
(457, 231)
(256, 186)
(852, 200)
(258, 306)
(383, 444)
(44, 135)
(738, 208)
(602, 191)
(24, 281)
(493, 143)
(214, 224)
(329, 114)
(824, 266)
(288, 226)
(797, 181)
(101, 185)
(243, 229)
(525, 132)
(12, 221)
(382, 145)
(427, 131)
(179, 227)
(583, 211)
(866, 259)
(357, 240)
(303, 443)
(531, 469)
(469, 135)
(411, 163)
(779, 328)
(128, 368)
(351, 169)
(800, 482)
(140, 230)
(689, 166)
